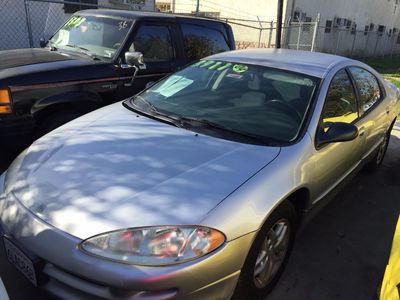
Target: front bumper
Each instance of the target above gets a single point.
(71, 274)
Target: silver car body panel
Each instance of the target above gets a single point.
(125, 171)
(132, 171)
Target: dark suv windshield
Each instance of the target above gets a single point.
(256, 101)
(99, 36)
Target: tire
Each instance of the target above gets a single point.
(379, 156)
(253, 282)
(53, 121)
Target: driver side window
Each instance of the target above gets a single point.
(341, 101)
(155, 42)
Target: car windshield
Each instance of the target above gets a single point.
(99, 37)
(255, 101)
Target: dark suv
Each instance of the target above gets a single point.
(82, 67)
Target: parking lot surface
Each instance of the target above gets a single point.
(341, 254)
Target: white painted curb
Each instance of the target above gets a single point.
(3, 292)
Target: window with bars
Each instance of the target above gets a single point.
(381, 29)
(328, 26)
(348, 24)
(366, 29)
(353, 28)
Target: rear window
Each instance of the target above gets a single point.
(202, 41)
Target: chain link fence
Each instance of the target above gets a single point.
(300, 36)
(24, 22)
(13, 24)
(356, 43)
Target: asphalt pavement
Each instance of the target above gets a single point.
(341, 254)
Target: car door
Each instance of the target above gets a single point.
(372, 110)
(335, 161)
(158, 43)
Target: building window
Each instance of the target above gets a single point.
(366, 29)
(353, 28)
(381, 30)
(296, 16)
(72, 8)
(328, 26)
(348, 24)
(337, 22)
(371, 27)
(307, 26)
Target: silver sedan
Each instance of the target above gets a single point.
(194, 188)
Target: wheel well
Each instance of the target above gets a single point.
(63, 108)
(300, 201)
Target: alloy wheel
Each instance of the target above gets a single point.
(272, 253)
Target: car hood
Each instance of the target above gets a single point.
(23, 57)
(38, 66)
(113, 169)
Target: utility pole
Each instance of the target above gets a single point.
(197, 7)
(278, 24)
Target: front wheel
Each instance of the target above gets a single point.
(268, 255)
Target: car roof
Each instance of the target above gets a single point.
(128, 14)
(311, 63)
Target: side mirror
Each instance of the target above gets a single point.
(337, 132)
(134, 59)
(42, 43)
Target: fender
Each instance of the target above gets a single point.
(74, 98)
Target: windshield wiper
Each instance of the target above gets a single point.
(83, 50)
(154, 112)
(220, 127)
(147, 103)
(185, 122)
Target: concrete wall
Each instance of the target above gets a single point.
(361, 13)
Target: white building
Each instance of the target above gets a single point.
(380, 19)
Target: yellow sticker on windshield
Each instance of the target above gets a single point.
(75, 21)
(240, 68)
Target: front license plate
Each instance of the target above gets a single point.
(20, 260)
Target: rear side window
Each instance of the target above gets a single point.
(368, 87)
(202, 41)
(341, 101)
(154, 41)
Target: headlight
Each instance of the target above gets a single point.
(5, 102)
(154, 246)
